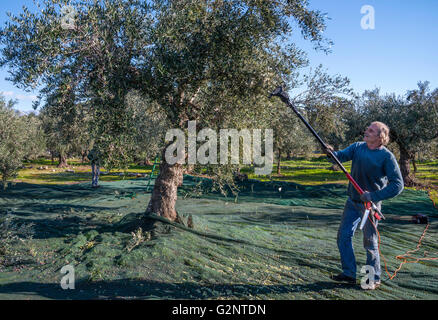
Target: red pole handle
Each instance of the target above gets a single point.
(368, 205)
(354, 183)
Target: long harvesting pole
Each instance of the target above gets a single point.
(285, 98)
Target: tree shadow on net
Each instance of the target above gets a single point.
(146, 289)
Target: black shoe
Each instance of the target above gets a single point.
(343, 278)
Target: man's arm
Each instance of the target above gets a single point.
(395, 181)
(343, 155)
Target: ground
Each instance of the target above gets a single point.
(275, 240)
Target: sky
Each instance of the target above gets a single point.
(399, 52)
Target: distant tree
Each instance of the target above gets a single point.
(37, 144)
(20, 138)
(326, 98)
(429, 152)
(149, 126)
(413, 121)
(291, 136)
(66, 130)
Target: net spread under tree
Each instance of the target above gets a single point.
(269, 243)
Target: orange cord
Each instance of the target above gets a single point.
(406, 256)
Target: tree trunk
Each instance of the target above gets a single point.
(279, 162)
(84, 157)
(52, 157)
(405, 168)
(414, 164)
(164, 195)
(62, 161)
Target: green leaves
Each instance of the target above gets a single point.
(20, 137)
(211, 61)
(412, 119)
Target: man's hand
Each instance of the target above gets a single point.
(366, 197)
(328, 149)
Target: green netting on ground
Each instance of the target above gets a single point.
(266, 243)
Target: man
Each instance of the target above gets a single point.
(93, 156)
(376, 171)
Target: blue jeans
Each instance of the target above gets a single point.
(351, 218)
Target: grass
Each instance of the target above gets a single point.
(313, 171)
(51, 174)
(317, 171)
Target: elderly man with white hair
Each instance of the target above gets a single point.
(376, 170)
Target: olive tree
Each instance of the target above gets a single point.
(66, 131)
(323, 99)
(215, 62)
(326, 99)
(20, 138)
(196, 59)
(412, 119)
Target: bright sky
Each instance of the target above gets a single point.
(400, 51)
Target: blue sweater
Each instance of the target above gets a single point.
(376, 171)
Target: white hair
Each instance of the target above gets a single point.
(383, 132)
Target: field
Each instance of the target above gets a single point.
(314, 171)
(276, 240)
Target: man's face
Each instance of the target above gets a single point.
(371, 134)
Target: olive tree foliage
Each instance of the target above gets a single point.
(326, 99)
(88, 63)
(210, 61)
(291, 135)
(149, 127)
(37, 147)
(412, 119)
(323, 100)
(67, 130)
(21, 138)
(428, 152)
